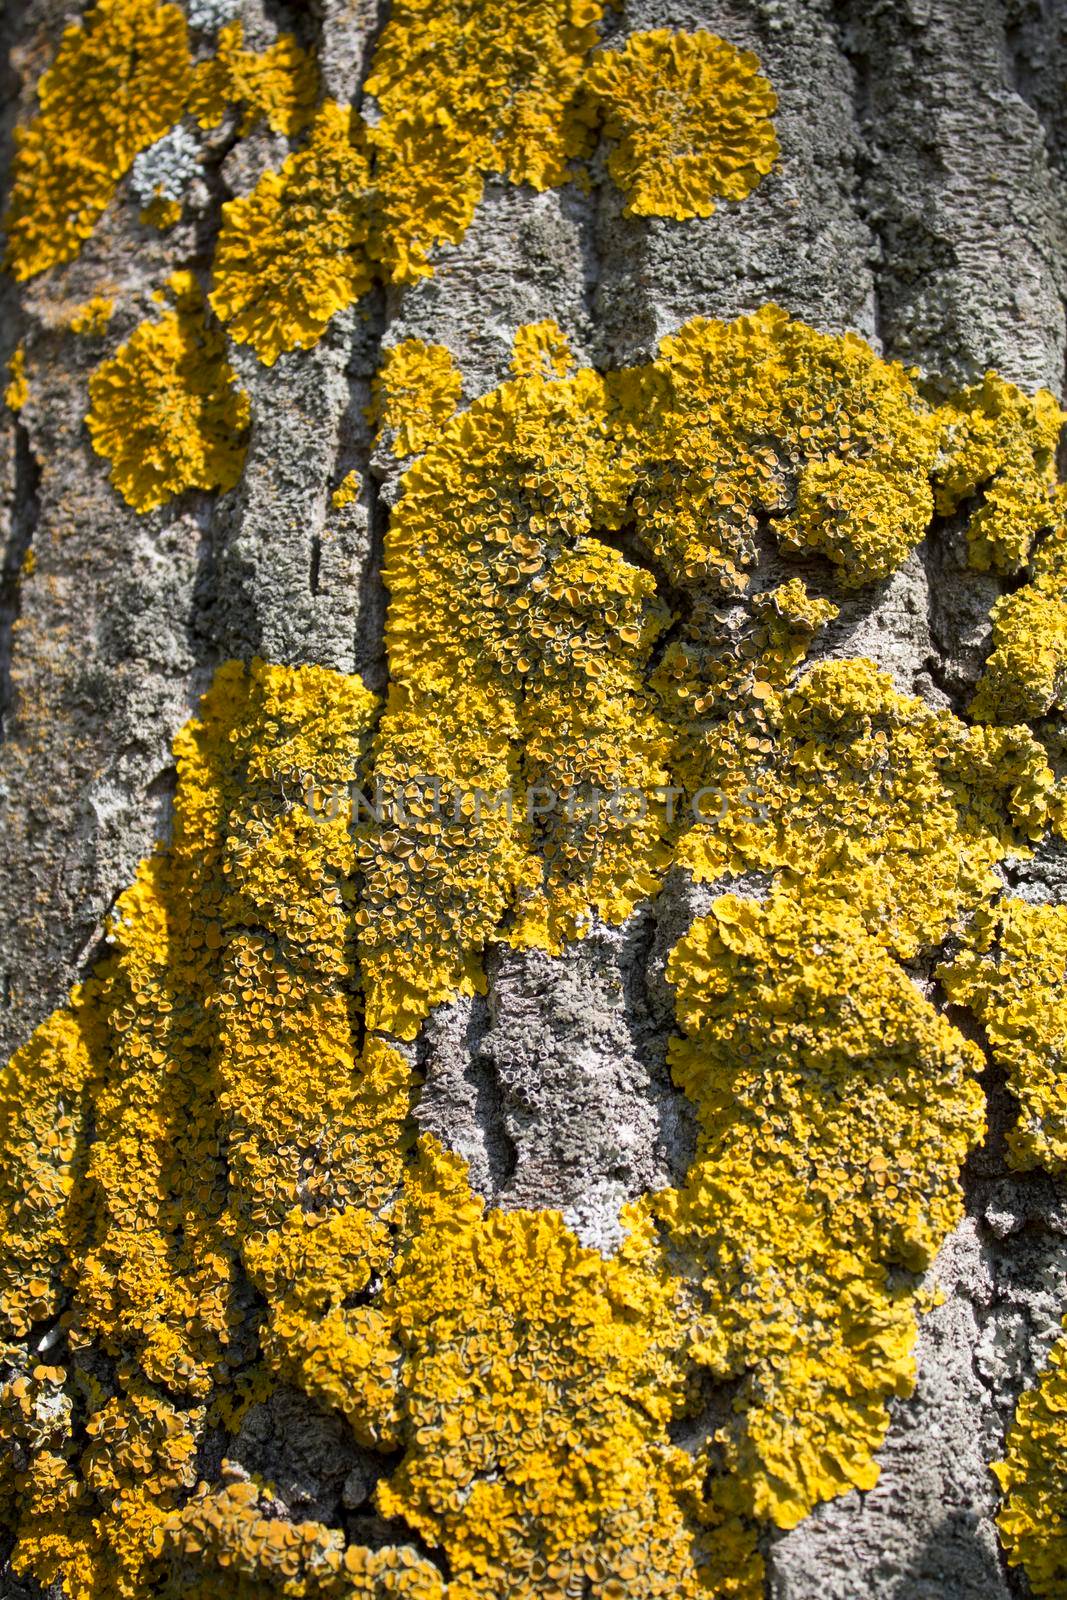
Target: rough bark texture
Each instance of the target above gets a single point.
(920, 201)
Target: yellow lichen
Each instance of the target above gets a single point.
(1012, 973)
(537, 1381)
(292, 253)
(494, 86)
(198, 1026)
(836, 1109)
(504, 76)
(490, 1348)
(118, 83)
(528, 1382)
(416, 389)
(899, 809)
(827, 402)
(88, 1529)
(1033, 1481)
(278, 86)
(541, 349)
(161, 213)
(1025, 675)
(165, 410)
(499, 92)
(690, 117)
(464, 90)
(211, 1183)
(226, 1545)
(92, 318)
(999, 445)
(18, 390)
(42, 1111)
(347, 491)
(506, 589)
(497, 88)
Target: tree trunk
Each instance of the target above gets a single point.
(919, 202)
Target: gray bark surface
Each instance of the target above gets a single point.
(920, 201)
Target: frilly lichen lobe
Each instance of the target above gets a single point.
(689, 117)
(278, 86)
(1011, 973)
(1033, 1480)
(165, 410)
(416, 388)
(118, 82)
(466, 91)
(213, 1181)
(291, 254)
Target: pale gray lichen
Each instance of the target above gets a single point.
(165, 170)
(209, 15)
(595, 1219)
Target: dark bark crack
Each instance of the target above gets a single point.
(22, 527)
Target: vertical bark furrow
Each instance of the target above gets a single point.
(960, 191)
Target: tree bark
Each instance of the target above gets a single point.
(919, 202)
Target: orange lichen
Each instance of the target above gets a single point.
(18, 390)
(292, 253)
(690, 117)
(165, 410)
(119, 81)
(416, 389)
(278, 86)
